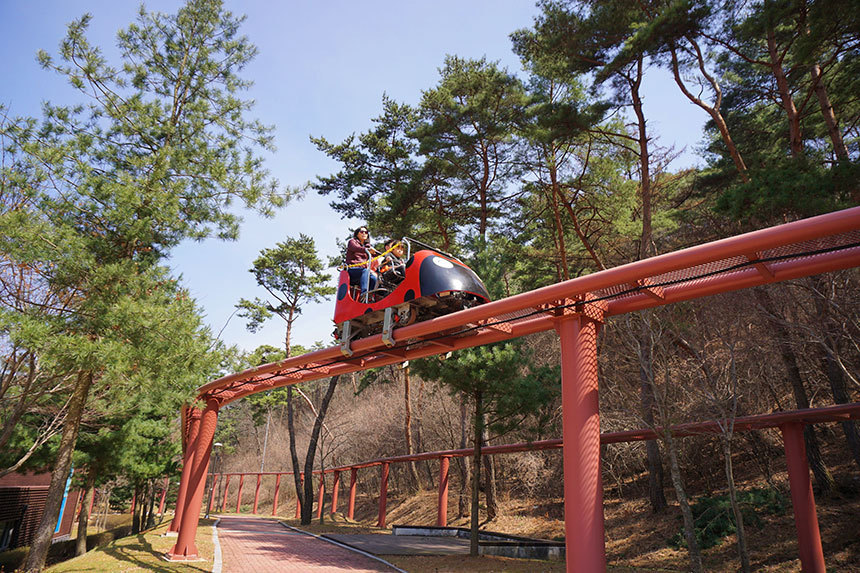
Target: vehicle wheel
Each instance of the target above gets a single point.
(468, 302)
(406, 315)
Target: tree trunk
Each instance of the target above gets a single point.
(795, 140)
(556, 196)
(150, 517)
(419, 436)
(830, 365)
(135, 510)
(407, 423)
(463, 506)
(686, 512)
(823, 479)
(265, 439)
(489, 475)
(655, 465)
(312, 448)
(733, 498)
(144, 505)
(62, 466)
(84, 516)
(840, 396)
(712, 110)
(482, 192)
(294, 456)
(839, 149)
(321, 501)
(476, 473)
(104, 508)
(656, 495)
(644, 164)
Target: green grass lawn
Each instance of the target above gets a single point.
(143, 552)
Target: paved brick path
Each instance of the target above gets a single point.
(260, 545)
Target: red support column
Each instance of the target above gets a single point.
(185, 548)
(383, 495)
(239, 495)
(133, 503)
(277, 491)
(257, 494)
(334, 489)
(321, 496)
(583, 490)
(442, 508)
(192, 429)
(163, 496)
(226, 489)
(802, 499)
(299, 501)
(92, 501)
(350, 512)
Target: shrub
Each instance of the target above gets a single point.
(715, 520)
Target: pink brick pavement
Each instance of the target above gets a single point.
(261, 545)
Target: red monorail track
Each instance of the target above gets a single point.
(729, 264)
(573, 308)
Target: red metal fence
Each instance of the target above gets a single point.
(790, 423)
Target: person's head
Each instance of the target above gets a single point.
(396, 248)
(361, 234)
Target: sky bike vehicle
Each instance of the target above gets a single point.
(435, 283)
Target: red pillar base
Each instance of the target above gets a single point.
(187, 558)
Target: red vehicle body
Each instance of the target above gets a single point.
(435, 284)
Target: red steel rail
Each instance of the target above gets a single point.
(575, 309)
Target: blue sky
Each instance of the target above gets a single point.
(322, 69)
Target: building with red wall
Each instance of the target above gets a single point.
(22, 502)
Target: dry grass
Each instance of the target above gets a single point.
(636, 538)
(457, 563)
